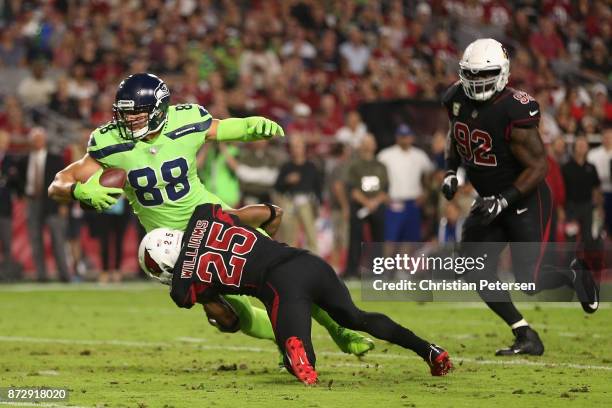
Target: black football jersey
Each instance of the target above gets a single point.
(482, 130)
(222, 256)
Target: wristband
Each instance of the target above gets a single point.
(511, 195)
(272, 215)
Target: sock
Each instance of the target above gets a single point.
(520, 328)
(520, 323)
(254, 321)
(325, 320)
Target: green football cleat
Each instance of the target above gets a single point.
(351, 342)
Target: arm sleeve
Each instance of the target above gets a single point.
(236, 129)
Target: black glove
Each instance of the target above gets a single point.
(489, 207)
(449, 185)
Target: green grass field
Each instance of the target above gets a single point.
(129, 346)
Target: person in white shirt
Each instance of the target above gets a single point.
(36, 90)
(355, 52)
(353, 132)
(601, 158)
(407, 166)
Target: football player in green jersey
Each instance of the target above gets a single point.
(156, 144)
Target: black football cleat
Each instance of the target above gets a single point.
(587, 290)
(439, 361)
(526, 341)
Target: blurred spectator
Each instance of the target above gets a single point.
(12, 120)
(12, 51)
(339, 202)
(217, 170)
(582, 191)
(601, 158)
(449, 229)
(76, 216)
(37, 170)
(407, 166)
(355, 53)
(353, 131)
(259, 63)
(80, 87)
(36, 90)
(8, 178)
(257, 170)
(303, 126)
(62, 102)
(597, 60)
(299, 185)
(546, 41)
(299, 46)
(109, 228)
(367, 185)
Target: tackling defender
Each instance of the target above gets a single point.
(218, 254)
(156, 144)
(494, 136)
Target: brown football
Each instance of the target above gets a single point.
(111, 177)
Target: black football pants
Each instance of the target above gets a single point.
(525, 227)
(291, 289)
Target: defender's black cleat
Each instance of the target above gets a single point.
(526, 341)
(587, 290)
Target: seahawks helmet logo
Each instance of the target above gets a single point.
(161, 91)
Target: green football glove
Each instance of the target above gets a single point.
(93, 194)
(261, 128)
(248, 129)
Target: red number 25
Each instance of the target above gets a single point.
(238, 241)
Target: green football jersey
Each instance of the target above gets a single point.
(162, 184)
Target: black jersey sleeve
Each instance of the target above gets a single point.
(523, 110)
(449, 96)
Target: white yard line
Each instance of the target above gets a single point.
(198, 343)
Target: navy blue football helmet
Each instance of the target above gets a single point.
(141, 93)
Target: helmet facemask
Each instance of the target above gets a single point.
(156, 118)
(134, 98)
(481, 85)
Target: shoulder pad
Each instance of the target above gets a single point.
(450, 93)
(190, 108)
(105, 140)
(522, 108)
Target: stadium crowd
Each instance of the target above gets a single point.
(310, 65)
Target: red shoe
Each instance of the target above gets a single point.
(439, 361)
(300, 366)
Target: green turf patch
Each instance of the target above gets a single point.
(129, 346)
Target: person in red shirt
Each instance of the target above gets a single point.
(547, 41)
